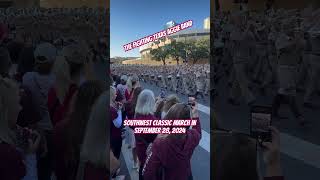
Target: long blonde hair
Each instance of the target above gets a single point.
(129, 84)
(61, 70)
(94, 147)
(7, 89)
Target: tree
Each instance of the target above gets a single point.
(177, 50)
(160, 54)
(197, 50)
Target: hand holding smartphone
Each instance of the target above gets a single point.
(193, 104)
(260, 123)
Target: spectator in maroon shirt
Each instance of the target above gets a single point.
(131, 104)
(115, 123)
(144, 110)
(68, 134)
(235, 156)
(93, 155)
(170, 155)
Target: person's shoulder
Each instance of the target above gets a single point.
(193, 134)
(160, 142)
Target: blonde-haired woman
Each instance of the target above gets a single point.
(94, 153)
(129, 88)
(68, 70)
(16, 145)
(144, 111)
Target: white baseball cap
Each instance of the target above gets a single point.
(45, 52)
(124, 77)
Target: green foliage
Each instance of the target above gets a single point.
(160, 54)
(177, 50)
(197, 50)
(191, 49)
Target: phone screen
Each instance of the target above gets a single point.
(260, 122)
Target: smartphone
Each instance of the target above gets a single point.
(261, 118)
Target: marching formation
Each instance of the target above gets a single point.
(267, 51)
(192, 80)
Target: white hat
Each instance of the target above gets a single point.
(124, 78)
(46, 50)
